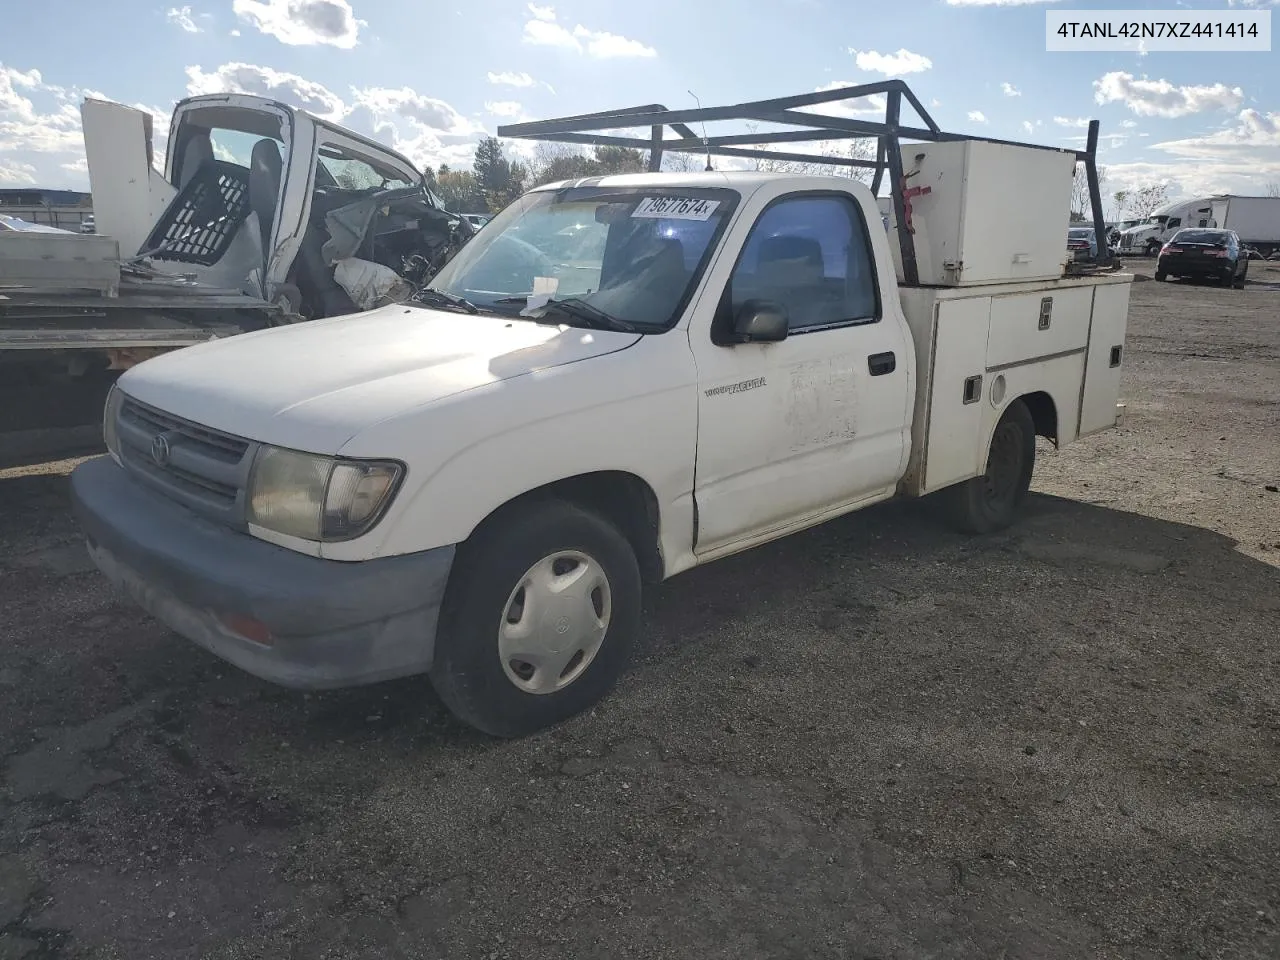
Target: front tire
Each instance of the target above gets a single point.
(538, 621)
(990, 502)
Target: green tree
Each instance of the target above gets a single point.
(611, 160)
(459, 190)
(500, 181)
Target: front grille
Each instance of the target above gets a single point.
(204, 469)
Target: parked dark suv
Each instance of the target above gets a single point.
(1199, 253)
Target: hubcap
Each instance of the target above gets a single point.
(1004, 463)
(554, 622)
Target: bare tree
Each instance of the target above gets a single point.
(682, 161)
(1273, 189)
(1139, 203)
(857, 149)
(1081, 204)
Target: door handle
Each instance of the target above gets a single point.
(881, 363)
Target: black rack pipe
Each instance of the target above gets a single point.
(585, 129)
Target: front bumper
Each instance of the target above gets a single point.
(331, 624)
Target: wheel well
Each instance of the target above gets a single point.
(1043, 413)
(622, 498)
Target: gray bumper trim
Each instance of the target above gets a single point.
(333, 624)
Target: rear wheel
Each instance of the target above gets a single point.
(990, 502)
(1243, 278)
(538, 620)
(1161, 275)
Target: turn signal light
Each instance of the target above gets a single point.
(252, 630)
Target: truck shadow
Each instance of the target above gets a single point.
(888, 552)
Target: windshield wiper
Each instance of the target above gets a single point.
(440, 298)
(578, 309)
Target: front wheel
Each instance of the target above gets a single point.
(538, 620)
(988, 503)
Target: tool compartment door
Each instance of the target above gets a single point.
(954, 450)
(1104, 366)
(1038, 325)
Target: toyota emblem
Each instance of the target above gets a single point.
(160, 449)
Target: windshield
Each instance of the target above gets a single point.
(1080, 233)
(632, 253)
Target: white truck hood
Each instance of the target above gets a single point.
(314, 385)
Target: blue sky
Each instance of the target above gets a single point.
(430, 76)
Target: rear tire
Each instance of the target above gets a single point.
(575, 577)
(990, 502)
(1161, 275)
(1241, 280)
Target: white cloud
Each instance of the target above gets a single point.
(1254, 134)
(605, 45)
(25, 128)
(544, 31)
(977, 116)
(872, 105)
(891, 64)
(16, 173)
(1028, 126)
(303, 22)
(1160, 98)
(235, 33)
(1195, 180)
(1128, 124)
(509, 79)
(181, 17)
(425, 129)
(44, 144)
(996, 3)
(1241, 157)
(268, 82)
(1009, 90)
(503, 108)
(428, 112)
(1080, 122)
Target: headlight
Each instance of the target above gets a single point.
(110, 414)
(319, 498)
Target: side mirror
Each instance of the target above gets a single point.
(760, 321)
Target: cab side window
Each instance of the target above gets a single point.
(1174, 223)
(812, 255)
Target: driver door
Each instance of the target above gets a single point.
(794, 429)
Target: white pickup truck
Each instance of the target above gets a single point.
(615, 381)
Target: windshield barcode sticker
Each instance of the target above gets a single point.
(675, 208)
